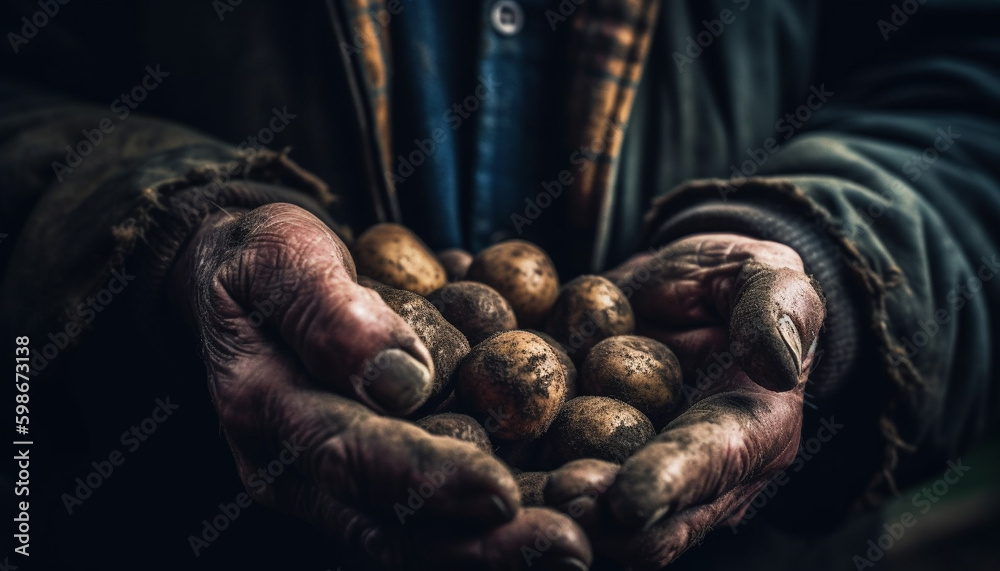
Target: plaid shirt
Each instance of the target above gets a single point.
(607, 45)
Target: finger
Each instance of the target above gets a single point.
(579, 478)
(576, 490)
(718, 444)
(623, 274)
(293, 273)
(536, 538)
(774, 324)
(665, 541)
(354, 455)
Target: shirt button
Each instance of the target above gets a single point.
(507, 17)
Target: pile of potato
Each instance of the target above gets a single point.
(537, 374)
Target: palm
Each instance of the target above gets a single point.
(743, 318)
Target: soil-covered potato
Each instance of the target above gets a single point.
(370, 283)
(596, 427)
(476, 309)
(460, 426)
(523, 274)
(393, 255)
(446, 344)
(571, 374)
(588, 310)
(637, 370)
(515, 382)
(532, 486)
(456, 263)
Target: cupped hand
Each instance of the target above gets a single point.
(305, 368)
(743, 318)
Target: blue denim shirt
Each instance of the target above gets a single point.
(476, 127)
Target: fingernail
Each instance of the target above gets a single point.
(374, 544)
(656, 516)
(568, 564)
(793, 341)
(402, 383)
(501, 508)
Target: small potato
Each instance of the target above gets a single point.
(456, 263)
(637, 370)
(446, 344)
(596, 427)
(395, 256)
(460, 426)
(514, 382)
(588, 310)
(476, 309)
(523, 274)
(532, 486)
(571, 376)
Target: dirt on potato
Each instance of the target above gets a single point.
(446, 344)
(395, 256)
(460, 426)
(476, 309)
(515, 381)
(636, 370)
(595, 427)
(588, 310)
(523, 274)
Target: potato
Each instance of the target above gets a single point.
(571, 375)
(637, 370)
(514, 383)
(476, 309)
(588, 310)
(393, 255)
(456, 263)
(446, 344)
(596, 427)
(460, 426)
(532, 486)
(370, 283)
(523, 274)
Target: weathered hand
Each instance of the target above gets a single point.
(291, 344)
(743, 319)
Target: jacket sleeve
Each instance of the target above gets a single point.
(86, 198)
(891, 193)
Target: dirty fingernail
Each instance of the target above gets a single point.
(402, 383)
(501, 507)
(793, 341)
(568, 564)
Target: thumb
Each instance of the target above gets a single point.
(296, 274)
(775, 321)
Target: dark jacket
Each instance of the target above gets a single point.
(863, 134)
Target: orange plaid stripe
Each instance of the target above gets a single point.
(376, 57)
(610, 41)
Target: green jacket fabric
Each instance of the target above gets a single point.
(864, 134)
